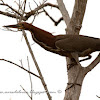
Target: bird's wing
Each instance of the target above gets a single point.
(75, 43)
(66, 45)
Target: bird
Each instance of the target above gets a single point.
(63, 45)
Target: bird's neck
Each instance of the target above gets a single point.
(42, 37)
(45, 40)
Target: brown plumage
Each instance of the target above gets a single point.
(61, 44)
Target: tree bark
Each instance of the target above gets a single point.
(77, 73)
(63, 11)
(77, 17)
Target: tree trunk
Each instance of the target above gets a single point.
(75, 79)
(76, 73)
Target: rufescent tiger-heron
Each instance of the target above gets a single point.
(63, 45)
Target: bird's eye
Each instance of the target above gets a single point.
(22, 24)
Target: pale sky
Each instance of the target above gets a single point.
(53, 66)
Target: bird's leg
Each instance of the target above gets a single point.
(89, 57)
(76, 62)
(73, 61)
(86, 52)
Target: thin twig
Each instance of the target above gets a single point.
(26, 92)
(30, 78)
(29, 14)
(21, 62)
(24, 6)
(20, 67)
(33, 19)
(55, 22)
(9, 15)
(22, 10)
(10, 8)
(29, 6)
(97, 96)
(36, 64)
(2, 1)
(35, 3)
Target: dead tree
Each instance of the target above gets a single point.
(76, 73)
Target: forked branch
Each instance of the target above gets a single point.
(77, 17)
(55, 22)
(29, 14)
(64, 11)
(14, 10)
(17, 15)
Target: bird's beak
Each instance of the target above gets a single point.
(14, 26)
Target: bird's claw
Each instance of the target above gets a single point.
(71, 65)
(72, 84)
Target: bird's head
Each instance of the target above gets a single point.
(21, 25)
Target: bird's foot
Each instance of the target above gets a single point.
(69, 66)
(71, 85)
(73, 63)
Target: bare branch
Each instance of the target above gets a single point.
(97, 96)
(30, 78)
(38, 8)
(20, 67)
(18, 15)
(26, 92)
(36, 64)
(77, 17)
(55, 22)
(9, 15)
(2, 1)
(93, 64)
(35, 2)
(33, 19)
(30, 6)
(22, 9)
(64, 11)
(24, 5)
(21, 62)
(10, 8)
